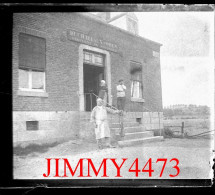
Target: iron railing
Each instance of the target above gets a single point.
(91, 101)
(131, 107)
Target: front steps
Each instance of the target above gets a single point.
(137, 135)
(132, 142)
(135, 131)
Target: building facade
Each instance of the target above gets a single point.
(58, 62)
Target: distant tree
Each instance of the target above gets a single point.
(168, 112)
(191, 110)
(205, 110)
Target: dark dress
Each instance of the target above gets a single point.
(103, 92)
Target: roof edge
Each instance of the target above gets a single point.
(122, 30)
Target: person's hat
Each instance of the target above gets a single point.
(102, 81)
(120, 80)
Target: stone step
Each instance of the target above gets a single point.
(115, 122)
(127, 120)
(126, 124)
(132, 142)
(130, 129)
(137, 135)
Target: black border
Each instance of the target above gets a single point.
(6, 160)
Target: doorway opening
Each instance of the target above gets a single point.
(93, 72)
(92, 77)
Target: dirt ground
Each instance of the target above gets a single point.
(194, 155)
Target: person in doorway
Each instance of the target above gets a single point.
(103, 90)
(121, 95)
(100, 121)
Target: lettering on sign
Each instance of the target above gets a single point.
(73, 35)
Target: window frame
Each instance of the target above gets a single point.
(27, 91)
(30, 71)
(93, 57)
(137, 99)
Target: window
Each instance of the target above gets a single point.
(88, 57)
(132, 26)
(32, 61)
(136, 80)
(32, 125)
(98, 59)
(93, 58)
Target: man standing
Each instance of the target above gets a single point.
(99, 119)
(121, 95)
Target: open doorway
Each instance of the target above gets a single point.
(92, 77)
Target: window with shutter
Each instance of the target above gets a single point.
(136, 80)
(32, 62)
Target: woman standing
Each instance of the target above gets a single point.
(103, 90)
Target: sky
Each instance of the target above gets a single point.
(187, 54)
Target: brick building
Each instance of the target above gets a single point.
(58, 62)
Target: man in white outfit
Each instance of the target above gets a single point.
(121, 95)
(100, 121)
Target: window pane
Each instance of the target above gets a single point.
(23, 79)
(93, 58)
(87, 57)
(136, 89)
(136, 77)
(38, 80)
(140, 90)
(132, 88)
(98, 59)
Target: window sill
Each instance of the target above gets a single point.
(137, 100)
(32, 93)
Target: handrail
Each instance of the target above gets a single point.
(120, 117)
(119, 110)
(104, 101)
(113, 106)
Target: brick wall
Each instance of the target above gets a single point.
(61, 66)
(62, 61)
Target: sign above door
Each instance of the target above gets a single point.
(74, 35)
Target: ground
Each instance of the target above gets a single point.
(194, 155)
